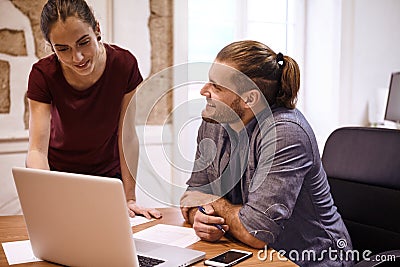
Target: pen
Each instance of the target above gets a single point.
(202, 210)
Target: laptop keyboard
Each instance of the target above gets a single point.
(148, 262)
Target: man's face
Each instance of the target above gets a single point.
(223, 103)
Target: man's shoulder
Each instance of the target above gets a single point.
(293, 122)
(282, 113)
(292, 117)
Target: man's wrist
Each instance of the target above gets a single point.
(221, 207)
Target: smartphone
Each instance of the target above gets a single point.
(228, 258)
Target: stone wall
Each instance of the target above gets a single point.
(4, 86)
(32, 10)
(21, 44)
(161, 40)
(19, 25)
(8, 37)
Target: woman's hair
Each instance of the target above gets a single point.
(277, 76)
(60, 10)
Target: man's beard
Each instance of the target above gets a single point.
(226, 114)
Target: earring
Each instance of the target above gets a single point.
(98, 37)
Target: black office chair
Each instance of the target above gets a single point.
(363, 169)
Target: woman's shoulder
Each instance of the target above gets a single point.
(46, 68)
(47, 63)
(120, 59)
(115, 51)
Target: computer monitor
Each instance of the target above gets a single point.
(393, 102)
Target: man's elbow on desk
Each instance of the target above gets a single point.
(247, 238)
(219, 207)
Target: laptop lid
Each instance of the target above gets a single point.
(82, 220)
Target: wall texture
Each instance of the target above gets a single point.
(161, 41)
(13, 43)
(4, 86)
(32, 10)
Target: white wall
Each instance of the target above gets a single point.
(375, 49)
(11, 154)
(13, 136)
(351, 48)
(12, 124)
(369, 54)
(130, 30)
(321, 66)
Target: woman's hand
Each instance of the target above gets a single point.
(149, 213)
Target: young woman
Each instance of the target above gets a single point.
(78, 97)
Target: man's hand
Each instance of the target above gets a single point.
(134, 209)
(218, 211)
(204, 225)
(191, 200)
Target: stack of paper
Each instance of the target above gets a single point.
(168, 234)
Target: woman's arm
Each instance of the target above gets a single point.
(39, 135)
(126, 173)
(129, 174)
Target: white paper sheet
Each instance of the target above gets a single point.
(168, 234)
(19, 252)
(139, 220)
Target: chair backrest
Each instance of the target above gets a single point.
(363, 169)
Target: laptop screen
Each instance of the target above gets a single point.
(393, 102)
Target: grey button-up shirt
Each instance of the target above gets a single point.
(281, 182)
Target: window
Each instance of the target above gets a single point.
(214, 24)
(202, 28)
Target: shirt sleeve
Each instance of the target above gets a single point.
(37, 86)
(277, 181)
(135, 77)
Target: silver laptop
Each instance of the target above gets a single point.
(82, 220)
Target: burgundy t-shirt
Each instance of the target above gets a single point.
(84, 124)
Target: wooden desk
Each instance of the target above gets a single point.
(12, 228)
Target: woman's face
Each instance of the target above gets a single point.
(76, 45)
